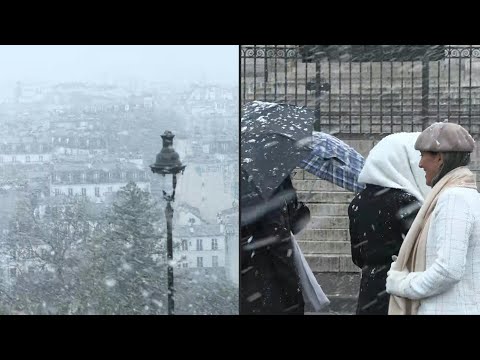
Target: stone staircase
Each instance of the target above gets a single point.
(325, 242)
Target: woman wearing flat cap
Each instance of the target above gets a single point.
(438, 266)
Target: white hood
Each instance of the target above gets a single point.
(393, 163)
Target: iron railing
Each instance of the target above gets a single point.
(365, 90)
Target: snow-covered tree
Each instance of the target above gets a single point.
(131, 255)
(48, 252)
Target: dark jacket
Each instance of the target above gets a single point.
(379, 221)
(269, 283)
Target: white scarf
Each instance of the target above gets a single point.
(393, 163)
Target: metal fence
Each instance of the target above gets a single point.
(365, 90)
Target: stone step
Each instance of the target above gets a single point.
(339, 283)
(324, 235)
(329, 197)
(316, 184)
(339, 305)
(329, 222)
(325, 247)
(342, 291)
(321, 191)
(309, 176)
(328, 209)
(331, 263)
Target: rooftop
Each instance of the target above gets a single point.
(198, 230)
(93, 164)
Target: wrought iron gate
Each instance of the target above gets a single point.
(365, 90)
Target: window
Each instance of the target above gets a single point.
(70, 192)
(109, 175)
(214, 244)
(185, 265)
(54, 211)
(84, 176)
(84, 191)
(27, 158)
(95, 176)
(199, 261)
(70, 177)
(214, 261)
(184, 245)
(57, 177)
(199, 244)
(97, 192)
(123, 174)
(57, 192)
(135, 175)
(40, 158)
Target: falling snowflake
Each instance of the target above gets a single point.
(110, 282)
(254, 297)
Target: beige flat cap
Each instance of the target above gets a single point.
(444, 137)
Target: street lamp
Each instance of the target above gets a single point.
(168, 163)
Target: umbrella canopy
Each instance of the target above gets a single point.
(273, 138)
(333, 160)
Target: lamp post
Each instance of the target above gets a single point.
(168, 163)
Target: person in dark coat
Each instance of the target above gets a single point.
(381, 215)
(269, 283)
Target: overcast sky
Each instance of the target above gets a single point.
(112, 63)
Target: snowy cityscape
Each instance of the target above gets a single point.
(83, 226)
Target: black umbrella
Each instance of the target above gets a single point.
(273, 139)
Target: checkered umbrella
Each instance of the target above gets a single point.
(333, 160)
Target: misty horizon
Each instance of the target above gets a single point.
(118, 64)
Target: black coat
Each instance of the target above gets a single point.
(269, 283)
(379, 221)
